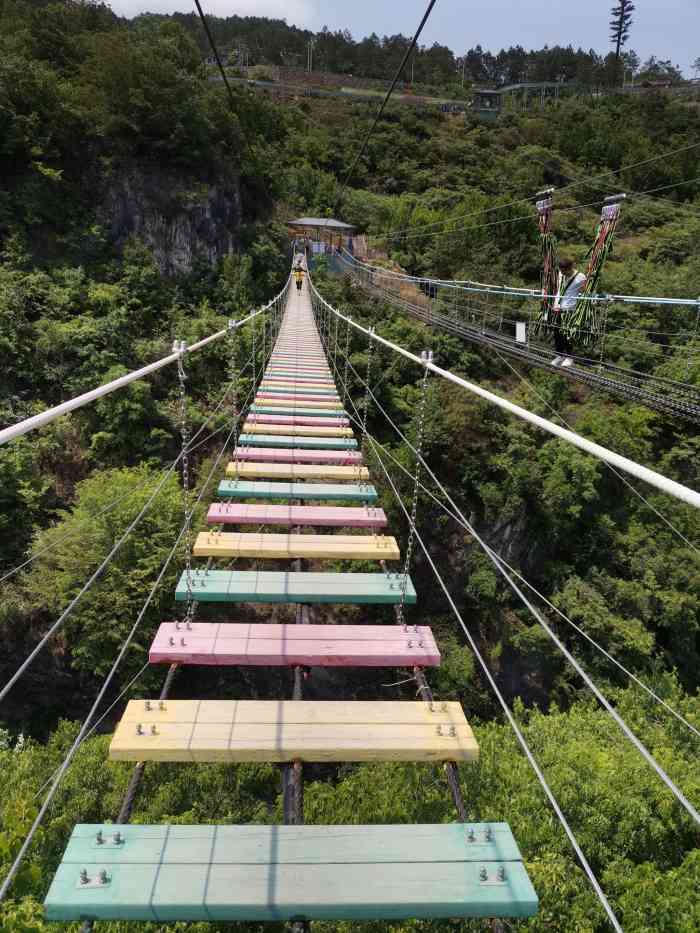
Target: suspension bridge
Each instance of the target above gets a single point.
(299, 475)
(468, 311)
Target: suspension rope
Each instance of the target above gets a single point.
(678, 490)
(426, 357)
(45, 417)
(513, 724)
(459, 517)
(14, 868)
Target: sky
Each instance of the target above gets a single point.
(665, 28)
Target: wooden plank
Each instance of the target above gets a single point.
(297, 430)
(296, 411)
(288, 730)
(293, 389)
(254, 418)
(328, 492)
(277, 403)
(296, 471)
(297, 455)
(261, 586)
(279, 645)
(316, 515)
(310, 381)
(275, 546)
(291, 441)
(294, 385)
(266, 396)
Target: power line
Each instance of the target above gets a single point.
(388, 94)
(528, 199)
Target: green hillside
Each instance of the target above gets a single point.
(137, 206)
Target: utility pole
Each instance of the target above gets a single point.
(310, 54)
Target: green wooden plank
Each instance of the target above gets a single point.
(297, 440)
(264, 873)
(259, 586)
(292, 410)
(332, 492)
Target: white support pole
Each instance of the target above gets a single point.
(677, 490)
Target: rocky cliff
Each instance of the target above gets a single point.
(181, 219)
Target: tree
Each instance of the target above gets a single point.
(620, 28)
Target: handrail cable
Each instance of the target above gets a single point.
(103, 689)
(592, 686)
(519, 291)
(678, 490)
(115, 502)
(512, 722)
(86, 586)
(459, 517)
(37, 421)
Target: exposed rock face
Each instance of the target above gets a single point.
(179, 218)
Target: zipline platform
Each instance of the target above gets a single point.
(321, 492)
(292, 730)
(219, 874)
(227, 643)
(316, 515)
(292, 546)
(269, 586)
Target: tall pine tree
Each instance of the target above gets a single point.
(620, 24)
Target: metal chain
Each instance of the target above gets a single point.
(427, 357)
(692, 341)
(365, 404)
(254, 325)
(347, 359)
(179, 347)
(233, 378)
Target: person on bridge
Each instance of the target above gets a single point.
(570, 285)
(299, 277)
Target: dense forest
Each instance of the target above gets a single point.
(137, 206)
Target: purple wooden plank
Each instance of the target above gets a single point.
(307, 420)
(226, 643)
(296, 455)
(326, 516)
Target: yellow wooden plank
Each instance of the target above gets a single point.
(301, 403)
(286, 730)
(284, 546)
(295, 430)
(296, 471)
(301, 712)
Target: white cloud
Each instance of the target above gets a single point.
(301, 13)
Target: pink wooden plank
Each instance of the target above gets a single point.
(298, 420)
(296, 455)
(226, 643)
(324, 516)
(317, 381)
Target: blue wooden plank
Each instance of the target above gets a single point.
(289, 440)
(258, 586)
(330, 492)
(297, 390)
(263, 873)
